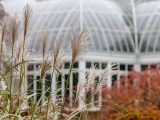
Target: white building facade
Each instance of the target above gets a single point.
(125, 32)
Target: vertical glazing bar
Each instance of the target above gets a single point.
(109, 80)
(53, 88)
(43, 90)
(100, 94)
(81, 82)
(71, 90)
(63, 87)
(35, 88)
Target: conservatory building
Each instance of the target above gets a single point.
(125, 32)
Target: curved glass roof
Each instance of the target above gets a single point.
(113, 25)
(148, 17)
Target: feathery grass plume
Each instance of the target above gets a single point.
(58, 55)
(45, 66)
(4, 25)
(44, 38)
(27, 13)
(14, 29)
(106, 73)
(18, 51)
(79, 43)
(92, 74)
(104, 76)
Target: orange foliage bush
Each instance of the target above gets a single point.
(138, 92)
(138, 89)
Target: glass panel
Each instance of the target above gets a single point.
(144, 43)
(124, 46)
(59, 86)
(37, 66)
(89, 18)
(104, 65)
(129, 39)
(116, 41)
(96, 94)
(110, 41)
(96, 80)
(114, 79)
(30, 84)
(75, 79)
(67, 65)
(153, 66)
(122, 67)
(39, 88)
(96, 64)
(30, 67)
(66, 85)
(88, 65)
(75, 82)
(130, 67)
(115, 66)
(75, 65)
(72, 22)
(88, 96)
(143, 67)
(96, 41)
(48, 83)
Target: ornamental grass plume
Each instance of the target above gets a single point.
(45, 66)
(44, 39)
(58, 55)
(14, 25)
(92, 74)
(27, 14)
(14, 29)
(79, 43)
(107, 72)
(18, 51)
(98, 77)
(4, 26)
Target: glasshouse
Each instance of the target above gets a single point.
(121, 50)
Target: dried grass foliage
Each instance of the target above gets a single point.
(44, 39)
(45, 66)
(16, 70)
(58, 55)
(14, 29)
(79, 43)
(4, 25)
(27, 14)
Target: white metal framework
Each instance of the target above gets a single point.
(126, 32)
